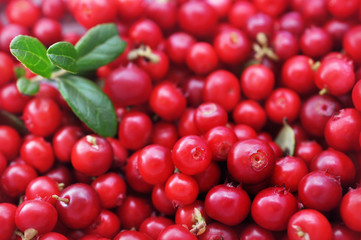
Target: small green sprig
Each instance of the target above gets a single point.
(64, 64)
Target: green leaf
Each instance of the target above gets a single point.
(32, 53)
(63, 55)
(98, 47)
(27, 87)
(90, 104)
(286, 139)
(19, 71)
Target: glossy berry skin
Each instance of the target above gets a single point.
(53, 9)
(340, 232)
(220, 140)
(316, 111)
(161, 202)
(320, 190)
(167, 101)
(146, 32)
(90, 13)
(64, 140)
(351, 41)
(128, 85)
(343, 129)
(155, 164)
(219, 230)
(42, 188)
(42, 116)
(309, 223)
(288, 172)
(131, 235)
(53, 236)
(201, 58)
(315, 42)
(240, 12)
(254, 231)
(47, 30)
(7, 220)
(227, 204)
(10, 142)
(251, 161)
(349, 208)
(6, 67)
(188, 215)
(38, 153)
(156, 69)
(15, 179)
(8, 32)
(111, 189)
(176, 232)
(342, 10)
(11, 99)
(259, 23)
(92, 155)
(131, 9)
(164, 134)
(257, 82)
(209, 115)
(133, 211)
(106, 225)
(191, 155)
(283, 103)
(336, 76)
(335, 163)
(37, 214)
(197, 18)
(152, 226)
(298, 75)
(223, 88)
(307, 150)
(285, 45)
(181, 189)
(177, 45)
(232, 47)
(82, 207)
(356, 95)
(163, 13)
(273, 207)
(16, 10)
(134, 131)
(251, 113)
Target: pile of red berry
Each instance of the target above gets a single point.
(236, 120)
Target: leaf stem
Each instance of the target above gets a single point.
(54, 76)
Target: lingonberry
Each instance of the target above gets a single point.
(11, 99)
(53, 236)
(283, 103)
(209, 177)
(181, 189)
(38, 153)
(316, 111)
(164, 13)
(254, 231)
(201, 58)
(164, 134)
(307, 150)
(78, 206)
(315, 42)
(186, 123)
(8, 32)
(259, 23)
(337, 29)
(251, 113)
(6, 68)
(343, 129)
(191, 154)
(349, 207)
(356, 95)
(292, 22)
(106, 225)
(273, 207)
(120, 153)
(240, 12)
(209, 115)
(232, 47)
(128, 85)
(220, 140)
(223, 88)
(152, 226)
(285, 45)
(133, 212)
(134, 131)
(156, 65)
(111, 189)
(155, 164)
(251, 161)
(92, 155)
(167, 101)
(176, 232)
(342, 10)
(335, 76)
(336, 163)
(35, 217)
(197, 18)
(64, 140)
(218, 230)
(340, 231)
(193, 216)
(61, 175)
(53, 9)
(89, 13)
(351, 41)
(257, 82)
(16, 10)
(3, 163)
(47, 30)
(271, 7)
(7, 220)
(244, 131)
(10, 142)
(161, 202)
(131, 234)
(288, 172)
(132, 176)
(42, 116)
(177, 45)
(314, 12)
(42, 188)
(146, 32)
(227, 204)
(320, 190)
(131, 9)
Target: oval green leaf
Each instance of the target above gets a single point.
(27, 87)
(32, 53)
(286, 139)
(90, 104)
(64, 56)
(98, 47)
